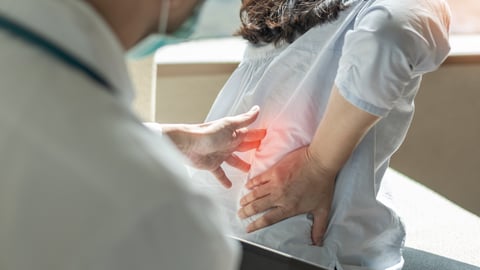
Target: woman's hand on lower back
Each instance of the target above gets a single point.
(297, 184)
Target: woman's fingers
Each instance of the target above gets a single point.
(255, 194)
(319, 227)
(273, 216)
(256, 207)
(257, 181)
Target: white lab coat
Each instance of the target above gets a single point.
(83, 184)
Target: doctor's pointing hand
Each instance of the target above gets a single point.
(209, 145)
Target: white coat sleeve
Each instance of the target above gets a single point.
(185, 234)
(156, 127)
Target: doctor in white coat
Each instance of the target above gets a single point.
(83, 183)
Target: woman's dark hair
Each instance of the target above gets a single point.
(267, 21)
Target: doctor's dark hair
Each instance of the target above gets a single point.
(275, 21)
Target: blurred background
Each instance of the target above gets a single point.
(442, 149)
(465, 15)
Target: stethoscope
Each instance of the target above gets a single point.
(53, 50)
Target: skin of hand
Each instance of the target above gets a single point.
(296, 184)
(303, 181)
(210, 144)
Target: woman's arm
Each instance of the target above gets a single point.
(341, 129)
(303, 181)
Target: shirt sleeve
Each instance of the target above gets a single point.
(156, 127)
(388, 47)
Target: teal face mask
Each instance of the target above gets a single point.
(150, 44)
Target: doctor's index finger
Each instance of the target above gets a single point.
(249, 139)
(255, 134)
(247, 146)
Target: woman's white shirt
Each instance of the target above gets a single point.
(376, 53)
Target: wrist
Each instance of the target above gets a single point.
(182, 136)
(323, 164)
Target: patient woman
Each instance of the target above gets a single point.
(336, 81)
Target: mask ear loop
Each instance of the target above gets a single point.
(163, 20)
